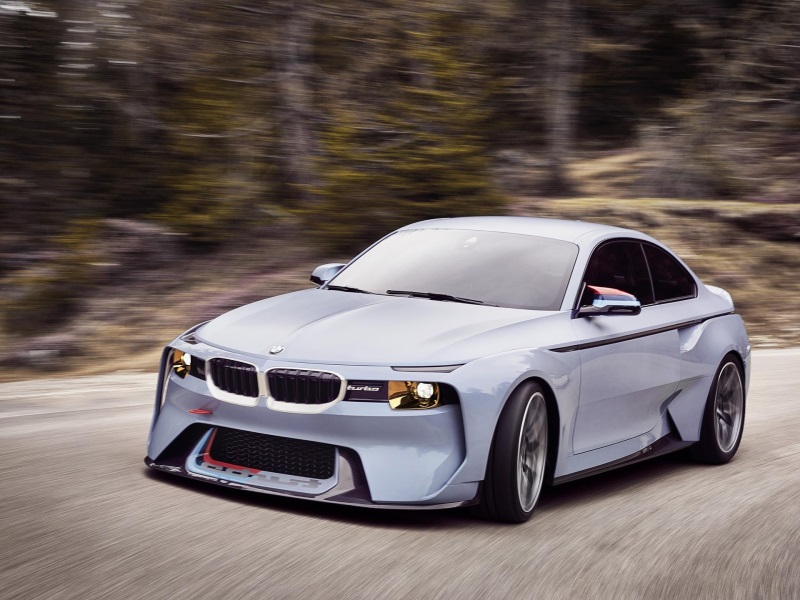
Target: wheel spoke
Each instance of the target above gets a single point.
(728, 402)
(728, 383)
(529, 486)
(528, 440)
(531, 452)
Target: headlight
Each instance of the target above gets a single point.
(181, 363)
(414, 395)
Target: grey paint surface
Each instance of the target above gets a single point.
(613, 401)
(81, 517)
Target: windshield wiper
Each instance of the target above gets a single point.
(435, 296)
(347, 288)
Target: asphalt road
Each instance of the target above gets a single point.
(81, 517)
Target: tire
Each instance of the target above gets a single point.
(723, 418)
(518, 458)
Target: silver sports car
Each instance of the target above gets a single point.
(462, 361)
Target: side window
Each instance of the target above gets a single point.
(670, 279)
(619, 265)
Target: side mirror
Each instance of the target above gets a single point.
(324, 273)
(609, 301)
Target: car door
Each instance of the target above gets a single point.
(629, 369)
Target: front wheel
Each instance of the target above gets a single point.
(515, 472)
(723, 420)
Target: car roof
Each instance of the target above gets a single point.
(558, 229)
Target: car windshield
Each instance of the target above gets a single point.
(480, 267)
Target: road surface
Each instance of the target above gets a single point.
(81, 517)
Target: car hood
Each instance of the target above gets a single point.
(333, 327)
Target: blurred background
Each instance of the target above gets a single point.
(164, 161)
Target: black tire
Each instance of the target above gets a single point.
(711, 449)
(501, 490)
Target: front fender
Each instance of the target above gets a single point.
(485, 385)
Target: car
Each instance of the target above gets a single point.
(462, 361)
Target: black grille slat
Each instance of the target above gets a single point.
(287, 456)
(293, 394)
(328, 381)
(251, 391)
(234, 377)
(300, 389)
(313, 388)
(300, 386)
(285, 386)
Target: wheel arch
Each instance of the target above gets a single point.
(484, 401)
(703, 349)
(710, 449)
(742, 370)
(494, 503)
(732, 352)
(553, 422)
(553, 428)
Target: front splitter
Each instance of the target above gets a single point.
(356, 495)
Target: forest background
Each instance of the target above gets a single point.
(164, 161)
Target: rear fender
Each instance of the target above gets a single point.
(702, 348)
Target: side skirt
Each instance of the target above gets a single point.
(669, 443)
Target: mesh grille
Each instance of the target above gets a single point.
(234, 377)
(298, 386)
(274, 454)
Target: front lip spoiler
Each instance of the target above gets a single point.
(354, 497)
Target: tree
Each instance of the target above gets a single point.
(563, 38)
(293, 59)
(415, 147)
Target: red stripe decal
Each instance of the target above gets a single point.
(607, 291)
(207, 458)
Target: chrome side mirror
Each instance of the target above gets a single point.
(324, 273)
(609, 301)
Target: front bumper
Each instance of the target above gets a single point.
(350, 486)
(385, 458)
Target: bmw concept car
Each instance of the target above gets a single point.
(465, 361)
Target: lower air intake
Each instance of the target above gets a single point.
(273, 454)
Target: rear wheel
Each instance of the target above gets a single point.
(723, 420)
(515, 472)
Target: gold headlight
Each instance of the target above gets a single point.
(413, 395)
(181, 363)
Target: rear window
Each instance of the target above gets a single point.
(670, 280)
(619, 265)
